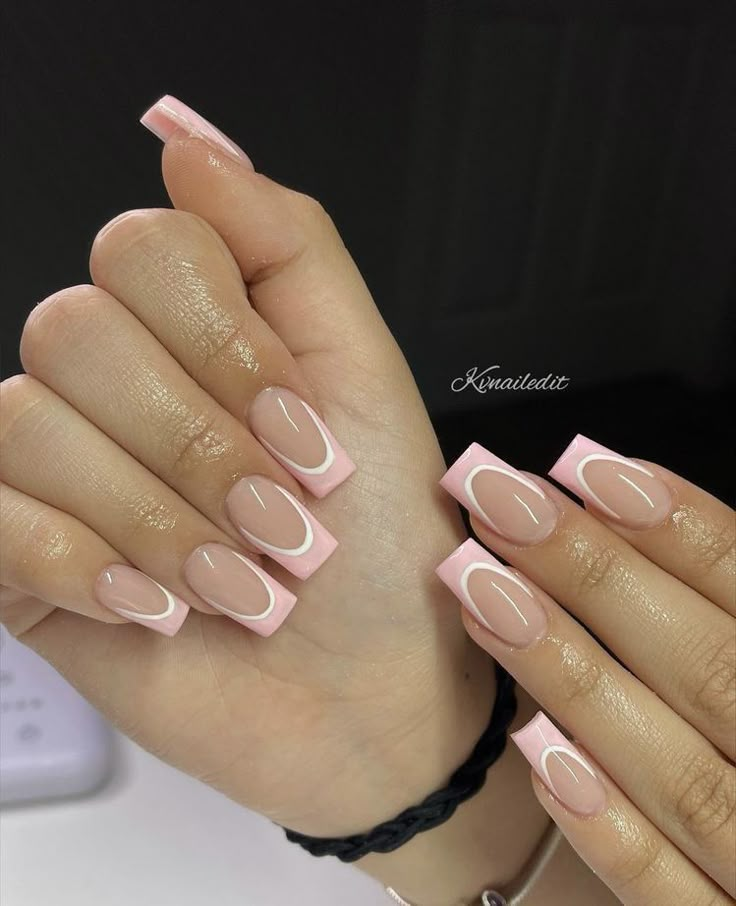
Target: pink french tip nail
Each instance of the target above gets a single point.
(495, 596)
(621, 489)
(508, 502)
(135, 596)
(169, 114)
(238, 588)
(561, 767)
(276, 523)
(294, 433)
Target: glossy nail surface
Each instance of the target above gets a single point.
(621, 489)
(169, 114)
(561, 767)
(275, 522)
(137, 597)
(239, 588)
(496, 597)
(505, 500)
(294, 433)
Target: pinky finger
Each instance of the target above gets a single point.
(639, 864)
(52, 556)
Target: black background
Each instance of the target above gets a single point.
(323, 97)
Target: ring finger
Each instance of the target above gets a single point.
(54, 455)
(175, 274)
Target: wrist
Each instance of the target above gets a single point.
(486, 842)
(404, 744)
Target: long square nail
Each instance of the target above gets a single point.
(508, 502)
(275, 522)
(495, 596)
(293, 432)
(135, 596)
(169, 114)
(562, 768)
(238, 588)
(620, 489)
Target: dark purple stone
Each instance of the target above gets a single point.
(491, 898)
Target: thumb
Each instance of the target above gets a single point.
(300, 277)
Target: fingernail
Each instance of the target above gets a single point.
(276, 523)
(497, 598)
(507, 501)
(564, 771)
(238, 588)
(299, 439)
(137, 597)
(169, 114)
(621, 489)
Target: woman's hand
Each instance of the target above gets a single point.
(646, 685)
(125, 446)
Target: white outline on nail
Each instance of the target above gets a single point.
(499, 570)
(556, 748)
(287, 551)
(244, 616)
(484, 467)
(326, 463)
(134, 615)
(606, 457)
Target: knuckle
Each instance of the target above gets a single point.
(638, 862)
(49, 543)
(217, 347)
(149, 232)
(146, 514)
(716, 551)
(313, 211)
(714, 690)
(704, 797)
(20, 395)
(583, 679)
(156, 241)
(195, 441)
(595, 569)
(54, 322)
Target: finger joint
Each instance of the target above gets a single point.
(704, 797)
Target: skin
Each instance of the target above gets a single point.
(662, 736)
(119, 445)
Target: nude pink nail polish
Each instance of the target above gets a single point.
(294, 433)
(505, 500)
(169, 114)
(275, 522)
(496, 597)
(137, 597)
(239, 588)
(621, 489)
(561, 767)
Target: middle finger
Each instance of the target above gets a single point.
(94, 353)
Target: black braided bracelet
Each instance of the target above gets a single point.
(438, 806)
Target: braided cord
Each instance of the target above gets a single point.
(438, 806)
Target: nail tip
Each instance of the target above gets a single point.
(521, 734)
(448, 479)
(177, 620)
(322, 489)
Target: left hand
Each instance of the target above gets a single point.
(647, 572)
